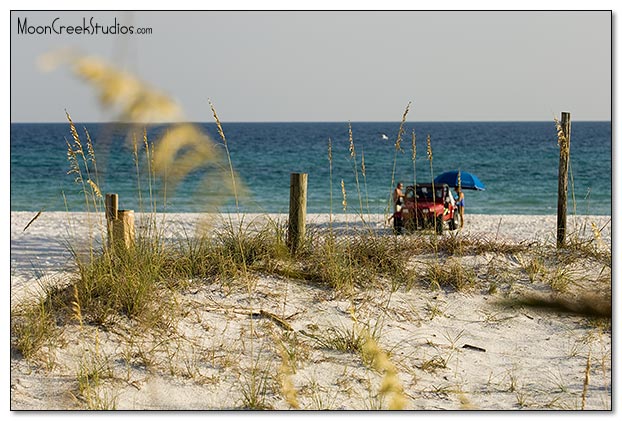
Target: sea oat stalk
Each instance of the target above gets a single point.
(330, 180)
(391, 385)
(344, 202)
(356, 173)
(430, 158)
(224, 142)
(413, 156)
(364, 172)
(398, 148)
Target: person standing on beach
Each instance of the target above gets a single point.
(398, 197)
(460, 205)
(398, 202)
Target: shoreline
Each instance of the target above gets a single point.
(514, 226)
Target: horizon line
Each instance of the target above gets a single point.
(303, 121)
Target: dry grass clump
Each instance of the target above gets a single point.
(449, 274)
(591, 248)
(232, 251)
(360, 261)
(328, 264)
(33, 326)
(455, 243)
(380, 256)
(570, 274)
(344, 339)
(257, 385)
(534, 266)
(93, 370)
(253, 246)
(127, 282)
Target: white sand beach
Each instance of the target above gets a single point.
(452, 350)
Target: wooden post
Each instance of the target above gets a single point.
(112, 206)
(112, 209)
(120, 223)
(562, 181)
(297, 211)
(123, 229)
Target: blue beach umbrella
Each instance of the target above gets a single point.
(468, 181)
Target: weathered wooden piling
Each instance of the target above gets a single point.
(562, 180)
(123, 229)
(119, 223)
(296, 226)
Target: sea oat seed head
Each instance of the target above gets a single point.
(351, 139)
(398, 142)
(94, 187)
(89, 146)
(75, 306)
(181, 150)
(74, 134)
(429, 150)
(363, 162)
(221, 132)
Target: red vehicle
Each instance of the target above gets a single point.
(427, 206)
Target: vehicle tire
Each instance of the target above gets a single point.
(398, 225)
(454, 222)
(410, 225)
(439, 224)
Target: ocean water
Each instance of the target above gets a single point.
(517, 161)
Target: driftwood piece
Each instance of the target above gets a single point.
(473, 347)
(276, 319)
(255, 314)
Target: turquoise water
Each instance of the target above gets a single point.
(517, 161)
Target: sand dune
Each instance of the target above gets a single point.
(451, 350)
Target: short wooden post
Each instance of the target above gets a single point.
(123, 229)
(112, 206)
(562, 180)
(297, 211)
(120, 223)
(112, 209)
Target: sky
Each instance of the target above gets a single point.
(330, 65)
